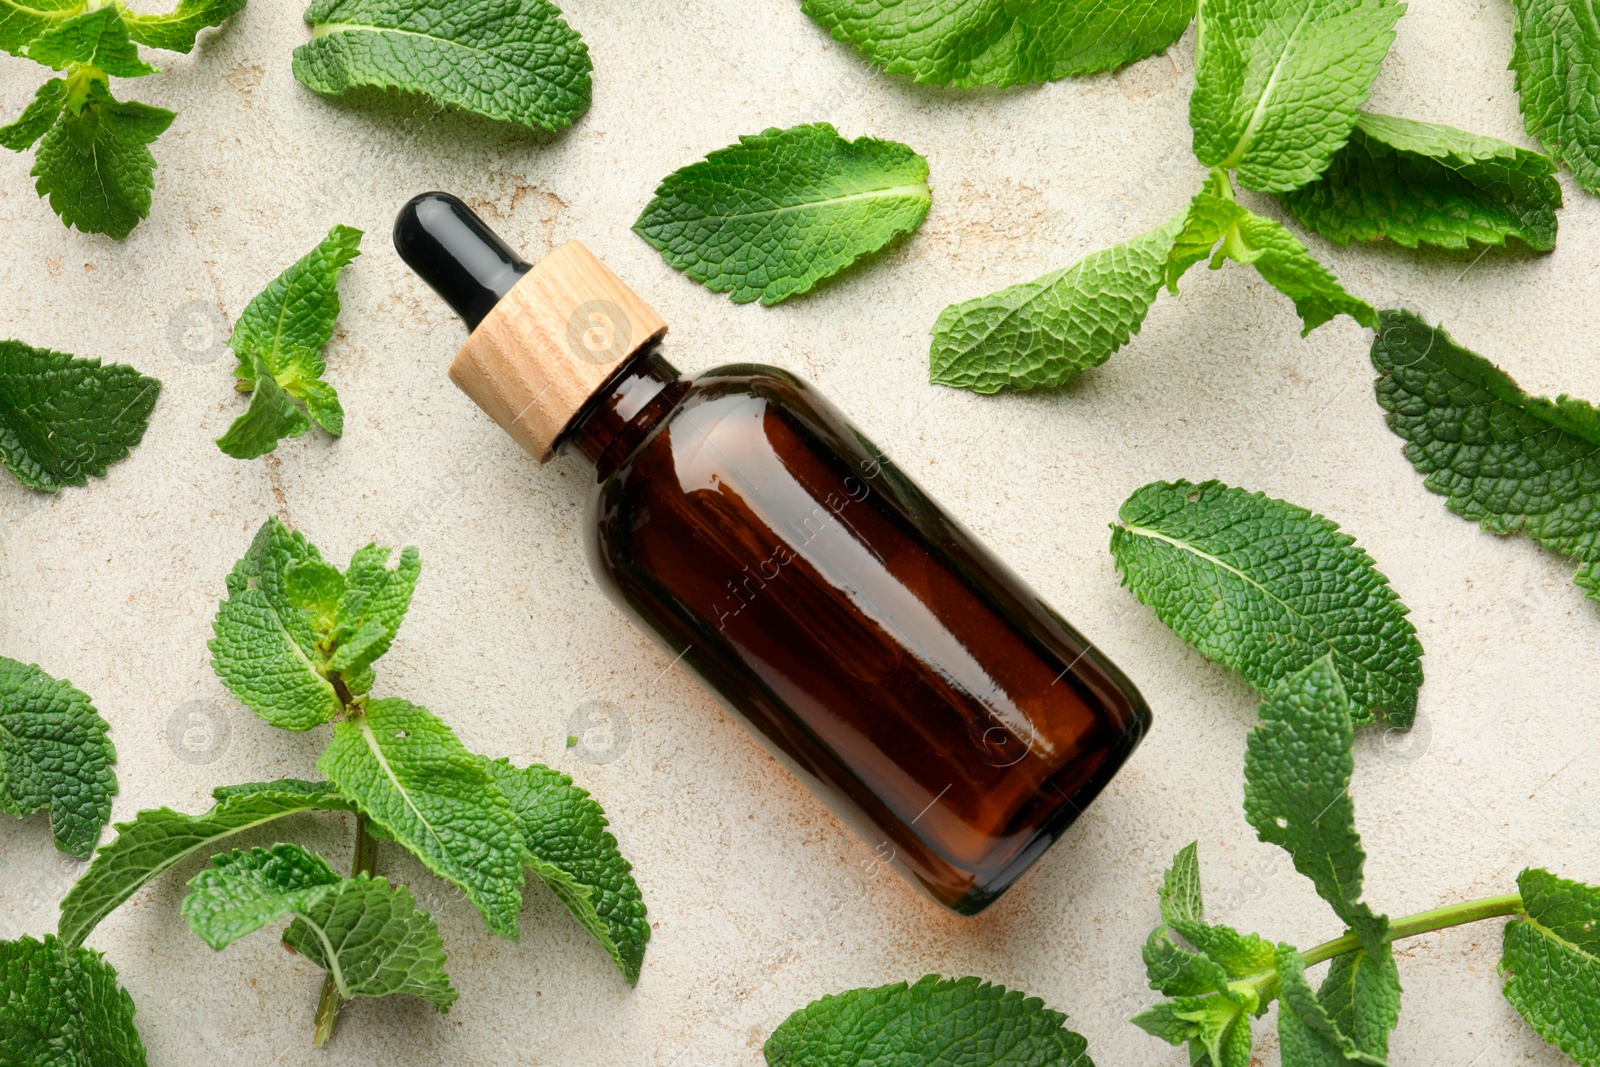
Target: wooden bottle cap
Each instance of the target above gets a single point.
(550, 344)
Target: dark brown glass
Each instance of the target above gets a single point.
(914, 682)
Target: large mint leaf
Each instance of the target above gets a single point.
(157, 839)
(1307, 1031)
(512, 60)
(778, 212)
(24, 21)
(565, 829)
(1362, 996)
(97, 38)
(1044, 333)
(1002, 42)
(1277, 83)
(279, 340)
(94, 163)
(1268, 588)
(62, 1007)
(406, 771)
(1556, 57)
(54, 753)
(176, 30)
(960, 1022)
(1423, 183)
(371, 937)
(1507, 460)
(1297, 768)
(63, 418)
(1551, 962)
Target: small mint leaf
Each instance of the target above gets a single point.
(37, 118)
(176, 30)
(54, 753)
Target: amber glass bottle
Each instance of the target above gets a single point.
(934, 700)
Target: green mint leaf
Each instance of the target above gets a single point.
(1268, 588)
(780, 211)
(1044, 333)
(374, 603)
(1502, 458)
(61, 1008)
(1362, 996)
(510, 60)
(1239, 955)
(370, 936)
(406, 770)
(1176, 972)
(993, 42)
(21, 23)
(960, 1022)
(1423, 183)
(1277, 83)
(157, 839)
(97, 38)
(279, 341)
(1297, 767)
(300, 786)
(1551, 962)
(37, 118)
(93, 163)
(54, 753)
(1307, 1032)
(1217, 1027)
(63, 419)
(177, 29)
(1554, 57)
(565, 829)
(265, 650)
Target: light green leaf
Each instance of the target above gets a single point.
(93, 163)
(374, 604)
(157, 839)
(406, 771)
(371, 937)
(37, 118)
(97, 38)
(176, 30)
(1044, 333)
(279, 341)
(1268, 588)
(1239, 955)
(1277, 83)
(54, 753)
(21, 23)
(63, 419)
(1556, 58)
(1500, 457)
(565, 829)
(1176, 972)
(999, 43)
(63, 1008)
(959, 1022)
(1423, 183)
(1551, 962)
(780, 211)
(511, 60)
(1297, 767)
(1362, 996)
(1216, 1027)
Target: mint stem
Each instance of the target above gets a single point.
(1421, 923)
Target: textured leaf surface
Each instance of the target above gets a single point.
(994, 42)
(1297, 768)
(778, 212)
(961, 1022)
(281, 336)
(63, 1008)
(1277, 83)
(97, 38)
(564, 828)
(176, 30)
(1507, 460)
(1268, 588)
(93, 163)
(1217, 1028)
(157, 839)
(1551, 962)
(1556, 57)
(1307, 1031)
(63, 418)
(245, 890)
(1423, 183)
(406, 771)
(1239, 955)
(1044, 333)
(54, 753)
(37, 118)
(24, 21)
(512, 60)
(1362, 996)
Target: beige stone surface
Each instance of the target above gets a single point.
(761, 901)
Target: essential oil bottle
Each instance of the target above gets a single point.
(937, 704)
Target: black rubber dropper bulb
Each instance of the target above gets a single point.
(456, 253)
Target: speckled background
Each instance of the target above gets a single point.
(760, 900)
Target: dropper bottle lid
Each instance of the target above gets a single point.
(545, 338)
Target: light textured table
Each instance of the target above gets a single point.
(761, 901)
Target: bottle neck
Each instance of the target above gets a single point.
(623, 411)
